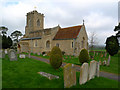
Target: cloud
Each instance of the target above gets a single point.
(99, 15)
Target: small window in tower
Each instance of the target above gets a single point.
(38, 22)
(57, 44)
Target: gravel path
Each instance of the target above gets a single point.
(102, 74)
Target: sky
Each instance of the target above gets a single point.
(100, 16)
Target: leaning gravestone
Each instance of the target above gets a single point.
(97, 69)
(92, 69)
(84, 70)
(12, 55)
(69, 75)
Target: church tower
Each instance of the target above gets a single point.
(34, 22)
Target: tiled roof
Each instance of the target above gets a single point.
(68, 33)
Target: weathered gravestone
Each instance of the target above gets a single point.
(97, 69)
(12, 55)
(38, 53)
(108, 62)
(48, 75)
(6, 51)
(69, 75)
(2, 53)
(29, 55)
(22, 56)
(84, 71)
(92, 69)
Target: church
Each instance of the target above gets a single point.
(38, 39)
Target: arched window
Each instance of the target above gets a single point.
(48, 44)
(38, 22)
(57, 44)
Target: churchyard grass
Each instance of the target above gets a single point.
(23, 74)
(113, 68)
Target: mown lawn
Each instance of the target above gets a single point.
(23, 74)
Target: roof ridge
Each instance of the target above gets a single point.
(71, 27)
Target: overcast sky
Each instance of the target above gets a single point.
(101, 16)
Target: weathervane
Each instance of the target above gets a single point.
(35, 7)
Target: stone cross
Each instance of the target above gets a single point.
(84, 71)
(69, 75)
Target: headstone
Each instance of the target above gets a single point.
(84, 71)
(38, 53)
(105, 54)
(2, 53)
(22, 56)
(100, 63)
(12, 55)
(92, 69)
(97, 69)
(6, 52)
(28, 55)
(104, 62)
(49, 76)
(44, 54)
(108, 62)
(69, 75)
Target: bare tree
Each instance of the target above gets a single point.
(93, 40)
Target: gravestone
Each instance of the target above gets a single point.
(69, 75)
(104, 62)
(6, 51)
(12, 55)
(2, 53)
(97, 69)
(84, 71)
(28, 55)
(22, 56)
(105, 54)
(92, 69)
(38, 53)
(100, 63)
(108, 61)
(48, 75)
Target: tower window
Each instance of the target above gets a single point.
(57, 44)
(38, 22)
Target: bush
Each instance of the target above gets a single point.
(56, 57)
(83, 56)
(43, 53)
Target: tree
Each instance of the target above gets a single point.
(9, 41)
(4, 30)
(93, 40)
(15, 35)
(112, 45)
(4, 42)
(117, 28)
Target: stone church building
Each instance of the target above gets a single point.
(38, 40)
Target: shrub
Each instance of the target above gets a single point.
(56, 57)
(83, 56)
(43, 53)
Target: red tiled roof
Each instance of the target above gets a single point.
(68, 33)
